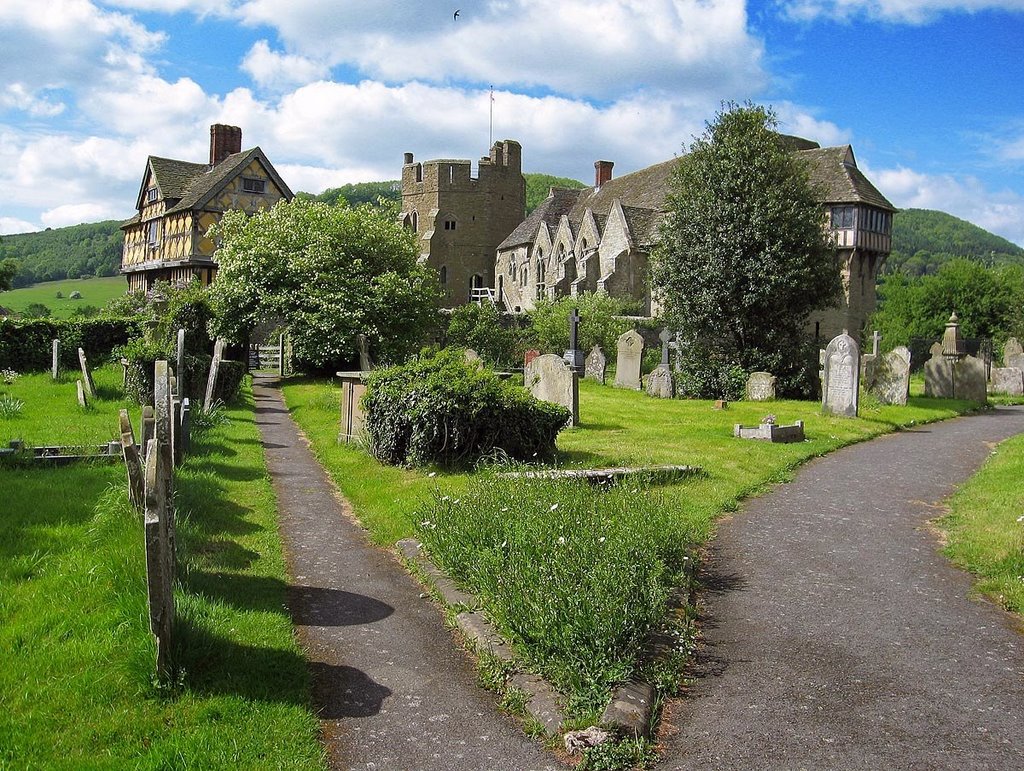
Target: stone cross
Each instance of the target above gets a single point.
(665, 338)
(876, 338)
(574, 357)
(55, 366)
(574, 327)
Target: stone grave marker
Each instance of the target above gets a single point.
(596, 365)
(969, 380)
(660, 384)
(179, 368)
(185, 426)
(159, 559)
(1012, 348)
(211, 379)
(55, 364)
(839, 394)
(529, 356)
(83, 400)
(938, 375)
(132, 461)
(666, 337)
(574, 356)
(627, 362)
(148, 430)
(363, 343)
(891, 383)
(1007, 380)
(1016, 361)
(163, 417)
(472, 357)
(760, 387)
(87, 382)
(550, 379)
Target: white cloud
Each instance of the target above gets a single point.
(277, 70)
(75, 214)
(903, 11)
(18, 97)
(796, 120)
(1001, 211)
(11, 225)
(601, 49)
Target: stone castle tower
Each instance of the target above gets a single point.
(460, 219)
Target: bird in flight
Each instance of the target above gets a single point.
(456, 14)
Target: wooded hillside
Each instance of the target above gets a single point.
(924, 239)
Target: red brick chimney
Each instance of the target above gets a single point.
(224, 141)
(602, 172)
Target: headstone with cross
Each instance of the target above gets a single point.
(876, 338)
(666, 338)
(574, 357)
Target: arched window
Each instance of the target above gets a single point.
(414, 220)
(444, 275)
(541, 272)
(512, 267)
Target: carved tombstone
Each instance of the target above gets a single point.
(969, 380)
(1007, 380)
(627, 362)
(160, 560)
(760, 387)
(87, 382)
(211, 379)
(938, 375)
(550, 379)
(83, 400)
(1012, 348)
(841, 377)
(472, 357)
(55, 364)
(1015, 360)
(891, 383)
(596, 365)
(132, 461)
(660, 384)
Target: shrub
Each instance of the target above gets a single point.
(497, 339)
(36, 311)
(598, 322)
(576, 577)
(439, 409)
(25, 345)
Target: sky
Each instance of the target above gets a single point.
(928, 92)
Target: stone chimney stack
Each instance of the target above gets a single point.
(224, 141)
(602, 172)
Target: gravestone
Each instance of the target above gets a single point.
(186, 425)
(353, 420)
(550, 379)
(1007, 380)
(1016, 360)
(148, 429)
(529, 356)
(660, 384)
(158, 519)
(55, 364)
(87, 382)
(132, 461)
(630, 350)
(179, 368)
(891, 384)
(83, 400)
(666, 337)
(472, 357)
(1012, 348)
(162, 414)
(841, 378)
(177, 452)
(938, 375)
(211, 378)
(596, 365)
(760, 387)
(969, 380)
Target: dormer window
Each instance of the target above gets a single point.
(252, 185)
(152, 194)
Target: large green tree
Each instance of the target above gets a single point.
(329, 273)
(742, 258)
(8, 270)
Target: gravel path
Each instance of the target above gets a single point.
(392, 689)
(836, 635)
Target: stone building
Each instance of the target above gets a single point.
(599, 238)
(178, 201)
(459, 219)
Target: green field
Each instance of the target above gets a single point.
(94, 291)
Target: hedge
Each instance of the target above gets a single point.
(26, 345)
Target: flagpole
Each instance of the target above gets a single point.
(490, 124)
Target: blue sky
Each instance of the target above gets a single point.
(928, 92)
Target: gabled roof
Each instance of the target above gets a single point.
(172, 178)
(834, 172)
(551, 210)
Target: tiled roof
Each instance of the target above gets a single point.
(212, 179)
(834, 171)
(174, 178)
(549, 212)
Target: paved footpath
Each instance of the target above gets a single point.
(392, 689)
(837, 637)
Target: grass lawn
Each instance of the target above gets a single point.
(94, 291)
(985, 526)
(618, 427)
(76, 656)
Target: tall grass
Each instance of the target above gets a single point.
(575, 576)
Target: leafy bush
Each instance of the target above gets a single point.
(439, 409)
(480, 327)
(598, 325)
(27, 345)
(574, 576)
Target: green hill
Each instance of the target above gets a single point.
(94, 293)
(92, 249)
(923, 239)
(538, 185)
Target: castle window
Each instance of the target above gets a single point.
(151, 195)
(415, 222)
(250, 185)
(449, 224)
(444, 275)
(419, 172)
(512, 268)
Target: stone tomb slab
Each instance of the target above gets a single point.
(891, 382)
(1008, 380)
(760, 387)
(841, 377)
(630, 350)
(660, 384)
(596, 365)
